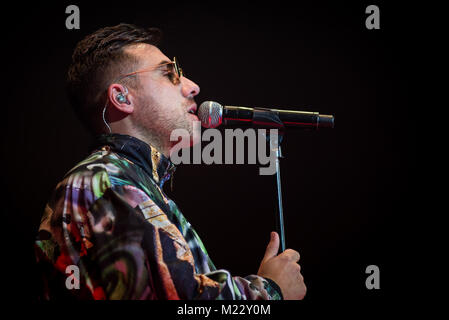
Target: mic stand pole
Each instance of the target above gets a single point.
(261, 119)
(280, 217)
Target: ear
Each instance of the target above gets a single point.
(120, 98)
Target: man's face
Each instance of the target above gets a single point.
(162, 103)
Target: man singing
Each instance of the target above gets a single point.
(109, 218)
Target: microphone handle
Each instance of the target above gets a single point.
(244, 116)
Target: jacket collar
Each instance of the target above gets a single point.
(153, 162)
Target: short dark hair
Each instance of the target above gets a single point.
(97, 60)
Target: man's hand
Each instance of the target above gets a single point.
(283, 269)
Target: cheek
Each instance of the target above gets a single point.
(159, 102)
(161, 97)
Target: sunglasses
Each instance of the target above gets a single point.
(176, 70)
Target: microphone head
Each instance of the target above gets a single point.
(210, 114)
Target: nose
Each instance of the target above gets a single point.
(189, 88)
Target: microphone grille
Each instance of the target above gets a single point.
(210, 114)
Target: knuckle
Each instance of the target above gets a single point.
(295, 254)
(291, 254)
(284, 257)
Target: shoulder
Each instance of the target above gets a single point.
(94, 175)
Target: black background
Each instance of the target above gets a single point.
(347, 192)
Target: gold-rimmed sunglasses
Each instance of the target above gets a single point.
(175, 64)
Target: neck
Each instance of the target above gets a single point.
(147, 137)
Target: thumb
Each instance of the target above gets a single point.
(272, 247)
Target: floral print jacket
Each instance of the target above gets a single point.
(110, 219)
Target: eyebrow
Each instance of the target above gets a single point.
(164, 62)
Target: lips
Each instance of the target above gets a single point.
(192, 109)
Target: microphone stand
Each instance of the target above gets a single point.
(265, 118)
(269, 119)
(280, 217)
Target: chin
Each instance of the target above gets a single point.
(186, 134)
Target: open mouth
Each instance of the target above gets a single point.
(192, 109)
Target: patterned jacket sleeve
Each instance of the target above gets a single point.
(125, 247)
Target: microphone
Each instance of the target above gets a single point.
(212, 114)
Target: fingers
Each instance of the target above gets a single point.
(272, 247)
(291, 255)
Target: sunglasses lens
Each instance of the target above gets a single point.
(177, 67)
